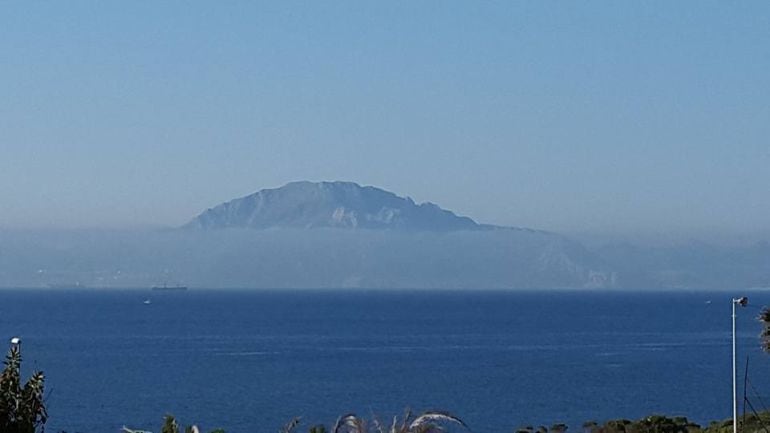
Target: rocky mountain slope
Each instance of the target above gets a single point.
(330, 205)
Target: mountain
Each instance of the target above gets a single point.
(330, 205)
(309, 235)
(341, 234)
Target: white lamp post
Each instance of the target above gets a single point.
(742, 301)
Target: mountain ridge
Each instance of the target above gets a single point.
(342, 234)
(335, 204)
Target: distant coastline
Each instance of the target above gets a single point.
(169, 288)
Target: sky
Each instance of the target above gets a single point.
(613, 116)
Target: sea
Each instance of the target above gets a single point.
(251, 360)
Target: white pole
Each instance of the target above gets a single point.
(735, 392)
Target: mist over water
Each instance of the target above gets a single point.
(336, 257)
(251, 360)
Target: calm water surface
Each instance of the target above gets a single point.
(249, 361)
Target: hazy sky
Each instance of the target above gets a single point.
(605, 116)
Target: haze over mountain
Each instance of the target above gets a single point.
(341, 234)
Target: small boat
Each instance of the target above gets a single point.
(147, 302)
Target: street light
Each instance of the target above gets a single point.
(16, 344)
(742, 301)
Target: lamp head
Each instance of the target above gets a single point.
(742, 301)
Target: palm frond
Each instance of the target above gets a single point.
(349, 421)
(406, 420)
(129, 430)
(291, 425)
(434, 417)
(378, 425)
(341, 421)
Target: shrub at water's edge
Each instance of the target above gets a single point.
(22, 409)
(751, 423)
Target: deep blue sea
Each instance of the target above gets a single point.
(249, 361)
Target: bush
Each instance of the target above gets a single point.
(22, 409)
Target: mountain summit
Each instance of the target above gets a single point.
(330, 204)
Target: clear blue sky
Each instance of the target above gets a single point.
(589, 116)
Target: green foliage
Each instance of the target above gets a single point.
(764, 336)
(650, 424)
(559, 428)
(169, 425)
(318, 428)
(751, 423)
(22, 409)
